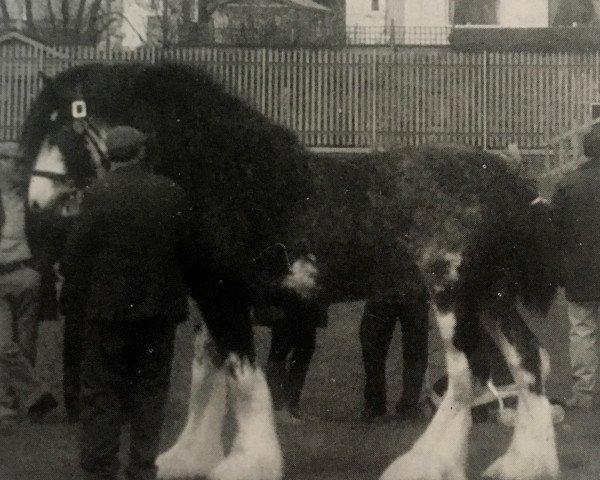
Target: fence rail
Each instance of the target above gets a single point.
(362, 97)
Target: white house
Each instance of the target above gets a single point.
(426, 15)
(134, 25)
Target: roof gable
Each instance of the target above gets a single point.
(20, 38)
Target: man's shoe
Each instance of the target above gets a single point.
(43, 405)
(9, 419)
(370, 414)
(409, 412)
(287, 417)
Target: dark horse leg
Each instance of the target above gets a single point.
(293, 339)
(532, 452)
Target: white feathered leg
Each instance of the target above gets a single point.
(532, 454)
(199, 447)
(441, 452)
(255, 453)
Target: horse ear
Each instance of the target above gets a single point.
(47, 80)
(49, 84)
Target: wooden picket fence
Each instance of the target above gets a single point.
(365, 97)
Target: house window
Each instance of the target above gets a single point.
(475, 12)
(595, 111)
(374, 5)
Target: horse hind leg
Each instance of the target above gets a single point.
(441, 451)
(199, 447)
(532, 453)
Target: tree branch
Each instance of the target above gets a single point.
(5, 14)
(93, 20)
(29, 16)
(51, 16)
(79, 18)
(66, 17)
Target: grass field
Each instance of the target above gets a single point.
(332, 444)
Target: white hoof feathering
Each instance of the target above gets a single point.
(532, 452)
(255, 453)
(441, 452)
(199, 447)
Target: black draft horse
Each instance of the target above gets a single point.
(483, 244)
(470, 224)
(246, 178)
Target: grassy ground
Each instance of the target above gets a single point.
(332, 444)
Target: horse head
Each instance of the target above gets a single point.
(69, 152)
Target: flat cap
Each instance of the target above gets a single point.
(123, 141)
(9, 150)
(591, 142)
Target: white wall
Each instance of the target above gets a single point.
(134, 26)
(523, 13)
(423, 13)
(358, 12)
(426, 13)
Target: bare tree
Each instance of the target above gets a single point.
(66, 21)
(5, 14)
(29, 16)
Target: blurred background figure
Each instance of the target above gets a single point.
(576, 203)
(20, 387)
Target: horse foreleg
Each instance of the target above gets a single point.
(255, 453)
(532, 453)
(441, 452)
(199, 447)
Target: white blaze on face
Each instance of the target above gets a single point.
(43, 191)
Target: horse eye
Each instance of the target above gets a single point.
(54, 116)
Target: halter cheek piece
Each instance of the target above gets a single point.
(83, 127)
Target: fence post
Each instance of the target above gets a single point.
(485, 100)
(374, 100)
(263, 92)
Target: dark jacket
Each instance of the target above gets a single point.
(130, 248)
(577, 216)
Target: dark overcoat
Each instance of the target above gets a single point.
(577, 216)
(130, 248)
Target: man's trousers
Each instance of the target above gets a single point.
(124, 363)
(376, 331)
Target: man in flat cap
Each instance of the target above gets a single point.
(125, 145)
(577, 214)
(130, 248)
(19, 300)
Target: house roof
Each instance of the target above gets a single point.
(310, 4)
(302, 4)
(36, 44)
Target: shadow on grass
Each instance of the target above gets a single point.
(333, 445)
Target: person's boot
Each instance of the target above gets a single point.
(42, 406)
(276, 374)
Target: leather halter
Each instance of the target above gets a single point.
(83, 127)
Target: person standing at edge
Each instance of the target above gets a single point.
(576, 204)
(19, 301)
(130, 247)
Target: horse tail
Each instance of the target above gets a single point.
(539, 263)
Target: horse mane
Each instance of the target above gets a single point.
(246, 175)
